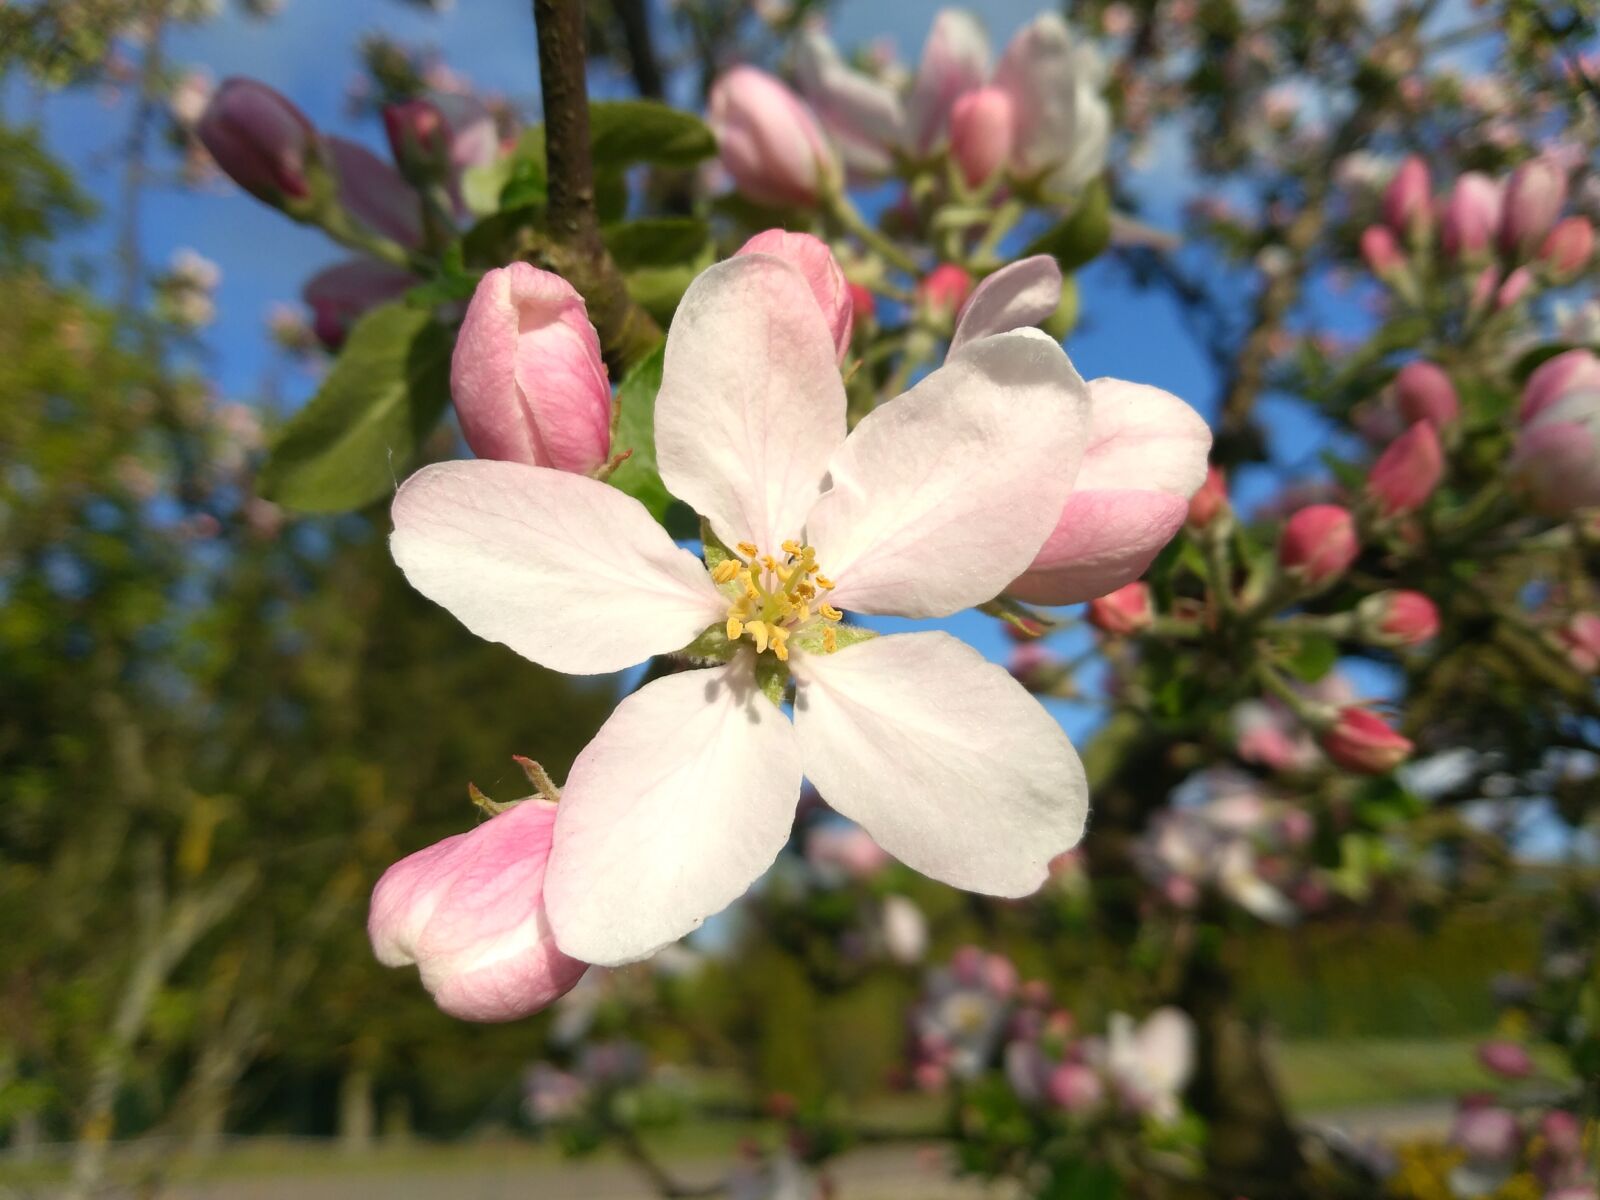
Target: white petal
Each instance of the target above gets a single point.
(862, 115)
(955, 59)
(564, 569)
(682, 800)
(943, 496)
(1024, 293)
(1143, 438)
(1165, 1048)
(751, 405)
(1054, 83)
(943, 757)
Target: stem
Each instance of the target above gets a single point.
(844, 212)
(1005, 217)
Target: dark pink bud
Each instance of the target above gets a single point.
(1360, 740)
(1318, 543)
(1408, 200)
(945, 290)
(1509, 1060)
(1568, 248)
(419, 139)
(339, 295)
(1534, 196)
(1124, 612)
(1580, 637)
(1406, 474)
(1424, 393)
(1399, 618)
(1211, 500)
(1382, 252)
(1514, 288)
(260, 139)
(1075, 1088)
(863, 303)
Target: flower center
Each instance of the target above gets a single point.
(776, 596)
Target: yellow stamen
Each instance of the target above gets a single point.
(776, 596)
(780, 638)
(792, 548)
(748, 549)
(759, 631)
(829, 612)
(735, 629)
(825, 583)
(830, 640)
(726, 570)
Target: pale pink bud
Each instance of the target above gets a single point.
(419, 139)
(1000, 977)
(1471, 216)
(1360, 740)
(375, 193)
(1424, 392)
(967, 965)
(1407, 473)
(1408, 200)
(1514, 288)
(527, 378)
(339, 295)
(1568, 248)
(259, 139)
(469, 912)
(1211, 500)
(982, 125)
(1124, 612)
(1297, 827)
(768, 140)
(812, 258)
(1400, 618)
(844, 850)
(1509, 1060)
(1483, 288)
(1382, 252)
(1319, 543)
(955, 60)
(944, 291)
(1569, 371)
(1580, 637)
(1533, 200)
(1075, 1088)
(1486, 1133)
(1562, 1133)
(1557, 455)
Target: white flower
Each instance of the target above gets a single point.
(1150, 1063)
(935, 502)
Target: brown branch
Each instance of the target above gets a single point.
(573, 247)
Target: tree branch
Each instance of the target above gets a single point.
(573, 247)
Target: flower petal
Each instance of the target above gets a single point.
(863, 116)
(751, 405)
(955, 59)
(1064, 124)
(944, 495)
(1143, 437)
(1104, 539)
(1024, 293)
(564, 569)
(682, 800)
(943, 757)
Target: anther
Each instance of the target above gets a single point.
(830, 640)
(758, 630)
(825, 583)
(829, 612)
(726, 570)
(735, 629)
(748, 549)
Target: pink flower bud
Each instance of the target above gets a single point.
(340, 295)
(845, 851)
(1533, 200)
(469, 912)
(259, 139)
(374, 193)
(527, 378)
(967, 965)
(1000, 977)
(1382, 253)
(1075, 1088)
(1562, 1133)
(1424, 392)
(1124, 612)
(1483, 289)
(1210, 501)
(863, 304)
(1408, 200)
(812, 258)
(1318, 543)
(768, 140)
(1568, 248)
(1406, 474)
(1360, 740)
(944, 291)
(1580, 637)
(419, 139)
(1399, 618)
(1471, 216)
(1569, 371)
(1486, 1133)
(1513, 289)
(982, 126)
(1509, 1060)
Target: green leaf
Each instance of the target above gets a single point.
(1313, 658)
(636, 431)
(657, 242)
(1084, 234)
(625, 132)
(526, 182)
(359, 433)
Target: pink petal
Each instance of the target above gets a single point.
(1104, 539)
(955, 59)
(565, 570)
(682, 800)
(1143, 437)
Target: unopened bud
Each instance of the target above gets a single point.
(1533, 200)
(260, 140)
(1424, 392)
(982, 129)
(942, 293)
(1318, 543)
(1210, 501)
(1568, 248)
(768, 139)
(811, 257)
(1407, 473)
(1399, 618)
(1471, 216)
(1360, 740)
(419, 139)
(1123, 612)
(1408, 201)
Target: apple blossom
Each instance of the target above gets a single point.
(934, 501)
(470, 913)
(1020, 294)
(1509, 1060)
(861, 115)
(812, 258)
(1063, 124)
(1568, 372)
(905, 930)
(955, 60)
(1408, 200)
(527, 378)
(374, 193)
(260, 139)
(1150, 1062)
(768, 140)
(1556, 460)
(1318, 543)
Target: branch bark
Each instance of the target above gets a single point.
(573, 247)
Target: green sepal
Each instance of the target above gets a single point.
(809, 639)
(772, 677)
(712, 645)
(714, 551)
